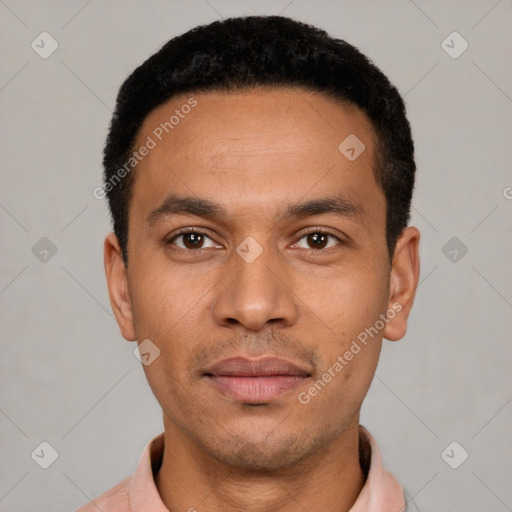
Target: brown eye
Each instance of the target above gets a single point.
(319, 240)
(192, 240)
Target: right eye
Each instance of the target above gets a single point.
(191, 240)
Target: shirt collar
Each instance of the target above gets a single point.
(381, 491)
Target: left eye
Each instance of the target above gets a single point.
(319, 240)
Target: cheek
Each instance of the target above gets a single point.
(164, 299)
(166, 312)
(345, 301)
(172, 319)
(346, 327)
(341, 397)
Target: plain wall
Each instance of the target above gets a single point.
(68, 377)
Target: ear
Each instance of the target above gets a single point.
(117, 281)
(405, 271)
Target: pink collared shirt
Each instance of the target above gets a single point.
(138, 493)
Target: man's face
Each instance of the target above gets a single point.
(258, 279)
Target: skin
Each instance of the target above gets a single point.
(254, 153)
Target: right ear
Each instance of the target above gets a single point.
(117, 281)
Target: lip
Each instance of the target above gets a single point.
(255, 381)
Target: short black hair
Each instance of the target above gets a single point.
(242, 53)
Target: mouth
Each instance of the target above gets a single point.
(255, 381)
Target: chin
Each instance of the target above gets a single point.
(244, 452)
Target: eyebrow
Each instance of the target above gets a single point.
(176, 205)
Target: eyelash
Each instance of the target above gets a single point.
(200, 231)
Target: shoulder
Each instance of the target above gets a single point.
(114, 500)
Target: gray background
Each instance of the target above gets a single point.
(69, 378)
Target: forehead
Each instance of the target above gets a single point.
(263, 145)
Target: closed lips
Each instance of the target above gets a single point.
(255, 381)
(268, 366)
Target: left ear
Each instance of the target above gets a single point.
(405, 271)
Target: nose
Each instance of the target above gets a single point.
(254, 293)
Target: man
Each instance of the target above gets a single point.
(259, 175)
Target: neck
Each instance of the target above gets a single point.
(329, 480)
